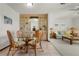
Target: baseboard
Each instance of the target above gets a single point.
(4, 43)
(4, 48)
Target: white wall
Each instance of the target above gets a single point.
(9, 12)
(76, 22)
(5, 10)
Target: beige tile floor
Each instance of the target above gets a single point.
(48, 50)
(64, 47)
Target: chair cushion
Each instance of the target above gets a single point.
(19, 43)
(32, 41)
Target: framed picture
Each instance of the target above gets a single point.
(62, 24)
(7, 20)
(56, 24)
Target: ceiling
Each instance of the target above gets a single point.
(43, 7)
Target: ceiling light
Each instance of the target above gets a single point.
(62, 3)
(29, 4)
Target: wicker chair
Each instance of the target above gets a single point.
(36, 40)
(13, 44)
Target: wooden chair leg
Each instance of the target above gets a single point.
(35, 49)
(14, 52)
(9, 51)
(40, 45)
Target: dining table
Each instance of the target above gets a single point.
(26, 40)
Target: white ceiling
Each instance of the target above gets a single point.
(42, 7)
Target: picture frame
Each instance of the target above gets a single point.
(7, 20)
(56, 24)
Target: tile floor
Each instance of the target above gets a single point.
(48, 50)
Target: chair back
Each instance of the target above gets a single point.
(19, 33)
(10, 37)
(38, 36)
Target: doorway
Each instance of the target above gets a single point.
(34, 23)
(28, 21)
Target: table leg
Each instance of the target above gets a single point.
(26, 49)
(62, 37)
(70, 42)
(27, 46)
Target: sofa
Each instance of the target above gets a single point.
(71, 35)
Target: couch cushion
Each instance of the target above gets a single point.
(67, 33)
